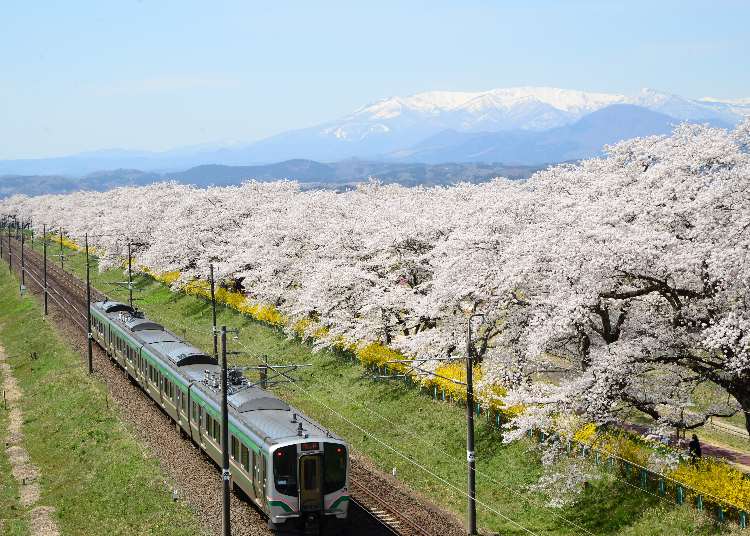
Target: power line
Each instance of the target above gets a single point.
(400, 454)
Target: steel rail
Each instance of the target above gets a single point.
(360, 494)
(385, 505)
(29, 270)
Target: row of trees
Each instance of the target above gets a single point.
(616, 283)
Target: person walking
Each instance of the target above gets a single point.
(694, 449)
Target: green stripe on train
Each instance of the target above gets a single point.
(154, 361)
(343, 498)
(280, 504)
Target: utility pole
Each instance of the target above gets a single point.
(10, 252)
(88, 306)
(23, 266)
(470, 455)
(62, 255)
(226, 529)
(44, 242)
(213, 314)
(263, 370)
(130, 276)
(415, 365)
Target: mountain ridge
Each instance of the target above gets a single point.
(391, 128)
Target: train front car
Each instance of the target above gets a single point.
(310, 480)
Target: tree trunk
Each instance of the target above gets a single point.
(745, 405)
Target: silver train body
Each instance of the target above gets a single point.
(288, 465)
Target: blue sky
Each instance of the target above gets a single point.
(78, 76)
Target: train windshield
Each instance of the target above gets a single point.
(285, 470)
(334, 467)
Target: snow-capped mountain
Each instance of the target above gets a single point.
(521, 125)
(522, 108)
(392, 125)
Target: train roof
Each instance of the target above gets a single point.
(259, 410)
(262, 412)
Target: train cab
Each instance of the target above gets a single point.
(310, 480)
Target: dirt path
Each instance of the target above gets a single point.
(710, 447)
(41, 518)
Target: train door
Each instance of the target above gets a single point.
(310, 493)
(200, 425)
(257, 490)
(263, 472)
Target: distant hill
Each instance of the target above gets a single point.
(527, 125)
(311, 174)
(582, 139)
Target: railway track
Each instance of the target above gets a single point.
(377, 510)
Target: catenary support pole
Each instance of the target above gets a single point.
(23, 265)
(263, 369)
(224, 436)
(213, 314)
(88, 306)
(470, 455)
(44, 243)
(62, 256)
(10, 253)
(130, 276)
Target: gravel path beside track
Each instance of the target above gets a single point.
(42, 520)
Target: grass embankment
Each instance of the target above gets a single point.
(12, 521)
(93, 471)
(431, 434)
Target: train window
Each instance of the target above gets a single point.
(310, 479)
(245, 455)
(285, 469)
(334, 467)
(217, 431)
(235, 448)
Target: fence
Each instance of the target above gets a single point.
(656, 483)
(631, 473)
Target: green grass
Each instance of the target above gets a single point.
(93, 471)
(12, 521)
(428, 433)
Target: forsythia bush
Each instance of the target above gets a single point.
(372, 354)
(716, 478)
(709, 476)
(53, 239)
(378, 354)
(490, 397)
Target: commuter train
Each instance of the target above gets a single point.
(292, 468)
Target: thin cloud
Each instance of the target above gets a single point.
(163, 84)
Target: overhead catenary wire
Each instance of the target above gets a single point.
(296, 385)
(501, 484)
(199, 334)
